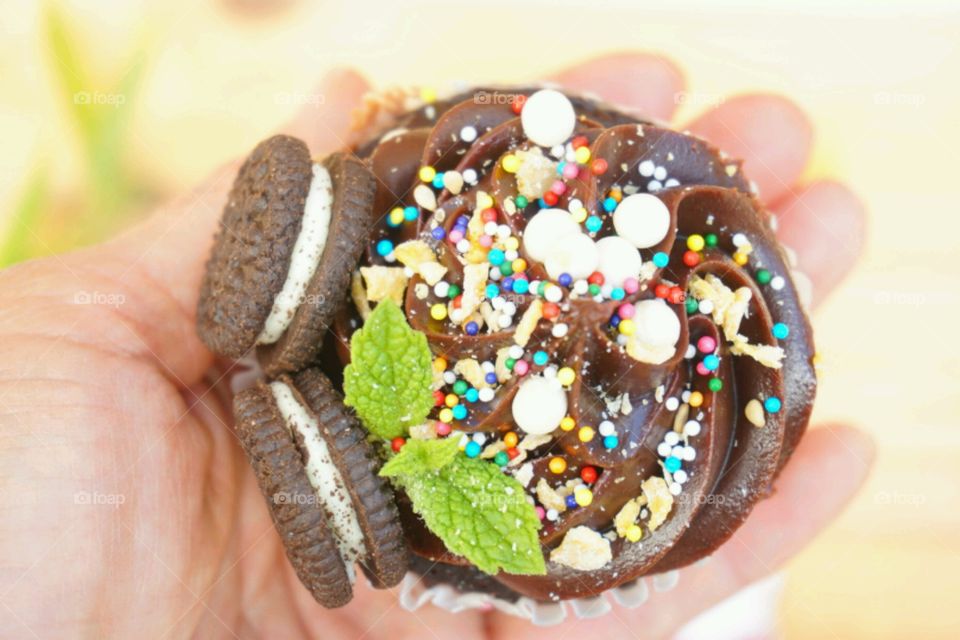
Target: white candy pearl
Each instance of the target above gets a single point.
(539, 405)
(548, 118)
(553, 293)
(656, 325)
(544, 229)
(619, 260)
(642, 219)
(574, 253)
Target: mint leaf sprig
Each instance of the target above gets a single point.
(478, 511)
(388, 379)
(420, 456)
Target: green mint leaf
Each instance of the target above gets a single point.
(419, 456)
(388, 379)
(481, 514)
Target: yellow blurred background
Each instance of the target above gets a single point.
(108, 107)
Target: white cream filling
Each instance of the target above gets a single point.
(324, 476)
(314, 228)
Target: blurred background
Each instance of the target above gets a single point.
(109, 107)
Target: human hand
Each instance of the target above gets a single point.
(129, 509)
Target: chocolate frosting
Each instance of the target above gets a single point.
(736, 462)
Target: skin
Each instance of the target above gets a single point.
(128, 509)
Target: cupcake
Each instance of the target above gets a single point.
(571, 342)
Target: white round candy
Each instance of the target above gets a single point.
(553, 293)
(619, 260)
(548, 118)
(642, 219)
(544, 228)
(656, 324)
(539, 405)
(575, 254)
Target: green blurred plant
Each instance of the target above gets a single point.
(101, 119)
(25, 217)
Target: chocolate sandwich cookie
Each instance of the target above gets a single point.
(291, 233)
(319, 476)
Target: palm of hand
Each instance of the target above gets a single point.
(129, 507)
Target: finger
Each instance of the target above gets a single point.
(769, 133)
(826, 224)
(163, 258)
(826, 471)
(645, 82)
(323, 123)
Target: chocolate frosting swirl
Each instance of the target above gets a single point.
(736, 462)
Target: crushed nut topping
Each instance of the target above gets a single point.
(583, 549)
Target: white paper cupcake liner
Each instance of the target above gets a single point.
(414, 594)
